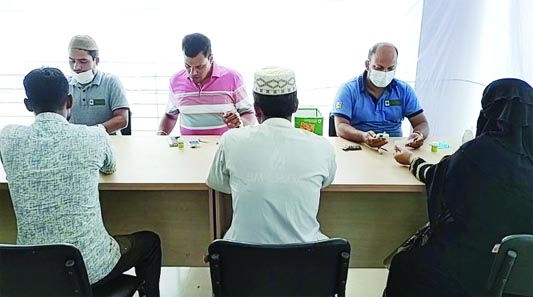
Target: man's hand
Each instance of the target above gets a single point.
(415, 140)
(403, 155)
(232, 119)
(372, 140)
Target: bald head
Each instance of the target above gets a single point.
(382, 56)
(387, 46)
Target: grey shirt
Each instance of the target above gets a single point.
(94, 103)
(52, 169)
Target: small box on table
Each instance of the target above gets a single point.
(309, 119)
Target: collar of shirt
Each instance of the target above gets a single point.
(216, 70)
(97, 80)
(50, 117)
(278, 122)
(215, 73)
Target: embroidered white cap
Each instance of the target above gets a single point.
(274, 81)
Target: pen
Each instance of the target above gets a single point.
(381, 150)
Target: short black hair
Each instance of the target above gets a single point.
(46, 88)
(277, 106)
(196, 43)
(375, 47)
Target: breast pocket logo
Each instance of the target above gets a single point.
(93, 102)
(396, 102)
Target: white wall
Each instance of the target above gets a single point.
(464, 45)
(324, 41)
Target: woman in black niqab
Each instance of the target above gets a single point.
(478, 195)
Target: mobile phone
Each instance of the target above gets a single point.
(173, 141)
(194, 143)
(355, 147)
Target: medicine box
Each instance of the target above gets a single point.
(309, 119)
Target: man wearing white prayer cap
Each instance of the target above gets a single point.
(98, 98)
(275, 172)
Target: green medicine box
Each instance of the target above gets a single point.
(309, 119)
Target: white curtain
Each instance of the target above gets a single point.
(464, 45)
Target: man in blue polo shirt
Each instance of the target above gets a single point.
(99, 98)
(376, 102)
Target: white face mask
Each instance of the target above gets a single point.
(381, 79)
(84, 77)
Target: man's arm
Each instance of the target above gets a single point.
(342, 109)
(119, 105)
(245, 109)
(332, 169)
(218, 178)
(109, 166)
(414, 112)
(118, 121)
(420, 130)
(248, 119)
(420, 124)
(167, 124)
(236, 120)
(347, 131)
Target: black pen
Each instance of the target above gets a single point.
(382, 148)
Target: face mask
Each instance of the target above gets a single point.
(381, 79)
(84, 77)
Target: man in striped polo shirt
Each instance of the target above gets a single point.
(210, 98)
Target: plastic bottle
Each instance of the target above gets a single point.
(181, 143)
(434, 146)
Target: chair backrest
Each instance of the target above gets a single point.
(127, 130)
(331, 128)
(512, 270)
(306, 269)
(42, 270)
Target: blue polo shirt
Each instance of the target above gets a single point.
(354, 103)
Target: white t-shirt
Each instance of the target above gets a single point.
(275, 173)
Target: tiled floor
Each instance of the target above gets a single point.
(195, 282)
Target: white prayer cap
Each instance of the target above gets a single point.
(274, 81)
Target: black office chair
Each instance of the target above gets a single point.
(127, 130)
(331, 128)
(54, 270)
(512, 270)
(306, 269)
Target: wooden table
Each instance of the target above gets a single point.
(373, 202)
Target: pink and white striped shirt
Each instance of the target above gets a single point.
(201, 109)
